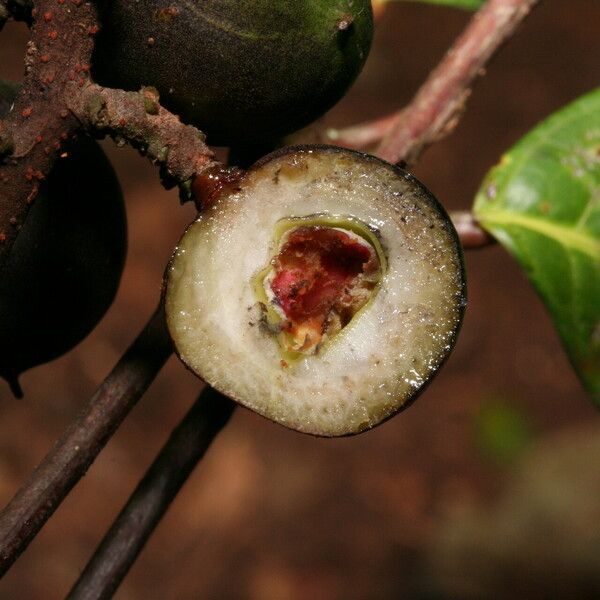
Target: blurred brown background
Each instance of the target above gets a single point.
(435, 503)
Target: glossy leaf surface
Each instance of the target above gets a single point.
(542, 202)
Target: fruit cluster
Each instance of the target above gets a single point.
(322, 288)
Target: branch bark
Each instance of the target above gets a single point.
(57, 99)
(72, 455)
(143, 511)
(57, 63)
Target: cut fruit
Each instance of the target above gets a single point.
(320, 278)
(323, 292)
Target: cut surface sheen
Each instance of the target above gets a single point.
(323, 292)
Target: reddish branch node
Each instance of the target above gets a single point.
(209, 184)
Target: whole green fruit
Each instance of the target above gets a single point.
(64, 269)
(240, 70)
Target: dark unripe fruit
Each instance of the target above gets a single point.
(64, 269)
(8, 92)
(240, 70)
(324, 290)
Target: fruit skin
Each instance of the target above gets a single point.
(240, 70)
(65, 266)
(389, 352)
(8, 93)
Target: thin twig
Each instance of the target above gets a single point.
(72, 455)
(438, 105)
(472, 236)
(440, 102)
(144, 509)
(363, 135)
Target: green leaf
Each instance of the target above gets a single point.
(542, 202)
(466, 4)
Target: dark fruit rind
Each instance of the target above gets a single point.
(389, 350)
(8, 93)
(65, 266)
(240, 70)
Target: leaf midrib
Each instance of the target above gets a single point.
(574, 239)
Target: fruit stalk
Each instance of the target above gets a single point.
(72, 455)
(131, 529)
(472, 236)
(138, 118)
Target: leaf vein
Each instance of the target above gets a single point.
(574, 239)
